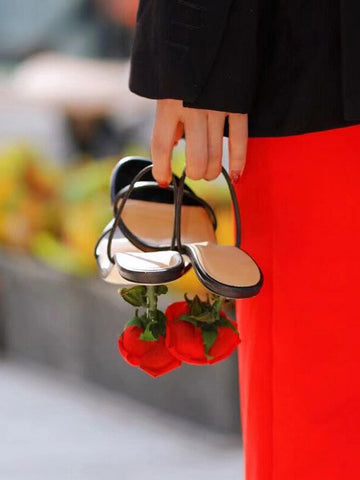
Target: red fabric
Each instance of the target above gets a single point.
(299, 358)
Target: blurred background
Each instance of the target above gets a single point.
(70, 407)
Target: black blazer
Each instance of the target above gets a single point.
(294, 66)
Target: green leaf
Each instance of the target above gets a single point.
(161, 322)
(225, 322)
(216, 307)
(196, 306)
(148, 334)
(154, 328)
(187, 299)
(161, 290)
(136, 296)
(206, 317)
(188, 318)
(161, 317)
(135, 321)
(209, 337)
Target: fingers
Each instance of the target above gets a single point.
(163, 138)
(215, 134)
(204, 131)
(196, 143)
(238, 137)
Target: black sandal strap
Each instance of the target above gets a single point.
(180, 192)
(121, 208)
(102, 236)
(235, 206)
(198, 201)
(178, 212)
(142, 244)
(129, 235)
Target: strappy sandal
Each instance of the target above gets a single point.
(150, 205)
(122, 260)
(151, 267)
(225, 270)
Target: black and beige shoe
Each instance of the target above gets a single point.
(138, 245)
(226, 270)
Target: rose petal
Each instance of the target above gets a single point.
(158, 360)
(225, 344)
(185, 342)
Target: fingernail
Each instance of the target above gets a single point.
(176, 142)
(235, 176)
(163, 184)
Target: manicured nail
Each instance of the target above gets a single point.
(235, 176)
(163, 184)
(176, 142)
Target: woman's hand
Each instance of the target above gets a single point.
(204, 141)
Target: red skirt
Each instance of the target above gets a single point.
(299, 360)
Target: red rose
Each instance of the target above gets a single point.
(185, 340)
(151, 356)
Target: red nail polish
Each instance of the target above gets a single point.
(163, 184)
(176, 142)
(235, 176)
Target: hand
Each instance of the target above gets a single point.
(204, 131)
(121, 11)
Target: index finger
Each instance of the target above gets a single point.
(162, 141)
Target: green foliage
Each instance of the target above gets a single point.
(225, 322)
(152, 321)
(209, 337)
(207, 316)
(148, 334)
(203, 312)
(136, 321)
(136, 296)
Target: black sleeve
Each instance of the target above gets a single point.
(204, 52)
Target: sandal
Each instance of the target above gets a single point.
(225, 270)
(139, 217)
(147, 204)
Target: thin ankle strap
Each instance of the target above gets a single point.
(178, 205)
(235, 206)
(121, 208)
(187, 193)
(129, 235)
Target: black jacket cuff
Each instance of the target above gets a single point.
(204, 53)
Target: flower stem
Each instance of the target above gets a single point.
(152, 302)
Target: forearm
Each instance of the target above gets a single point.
(202, 56)
(231, 83)
(195, 52)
